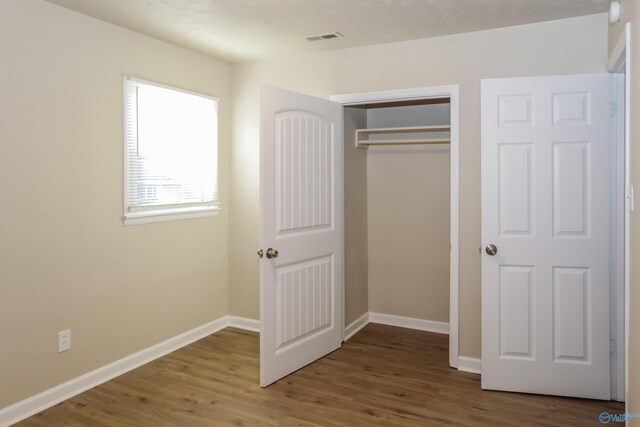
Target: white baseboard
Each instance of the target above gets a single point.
(469, 364)
(410, 323)
(355, 326)
(41, 401)
(244, 323)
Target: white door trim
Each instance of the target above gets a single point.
(620, 62)
(453, 93)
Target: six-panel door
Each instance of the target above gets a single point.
(545, 206)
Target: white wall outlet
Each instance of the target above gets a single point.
(64, 340)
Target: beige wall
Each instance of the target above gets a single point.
(408, 199)
(356, 286)
(66, 260)
(409, 217)
(575, 45)
(631, 13)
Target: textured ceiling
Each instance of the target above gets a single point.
(241, 30)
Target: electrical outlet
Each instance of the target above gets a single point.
(64, 340)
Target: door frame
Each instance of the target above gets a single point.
(620, 62)
(452, 92)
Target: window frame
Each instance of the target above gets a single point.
(167, 212)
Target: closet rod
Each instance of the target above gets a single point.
(404, 141)
(405, 129)
(363, 135)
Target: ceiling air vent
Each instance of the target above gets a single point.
(325, 36)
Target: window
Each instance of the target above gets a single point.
(171, 146)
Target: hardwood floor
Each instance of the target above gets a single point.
(382, 376)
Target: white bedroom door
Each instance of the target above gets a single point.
(301, 191)
(545, 232)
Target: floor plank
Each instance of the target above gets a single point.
(383, 376)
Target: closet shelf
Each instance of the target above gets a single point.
(403, 141)
(363, 136)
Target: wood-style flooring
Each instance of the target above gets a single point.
(383, 376)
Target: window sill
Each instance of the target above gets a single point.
(163, 215)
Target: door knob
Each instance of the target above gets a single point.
(272, 253)
(491, 249)
(260, 253)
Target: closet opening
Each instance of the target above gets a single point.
(401, 210)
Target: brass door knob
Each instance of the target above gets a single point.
(272, 253)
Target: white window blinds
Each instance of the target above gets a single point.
(171, 140)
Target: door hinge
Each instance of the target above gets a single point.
(612, 346)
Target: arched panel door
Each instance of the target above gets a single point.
(301, 271)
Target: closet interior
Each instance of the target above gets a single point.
(397, 209)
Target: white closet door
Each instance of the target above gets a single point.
(301, 290)
(545, 207)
